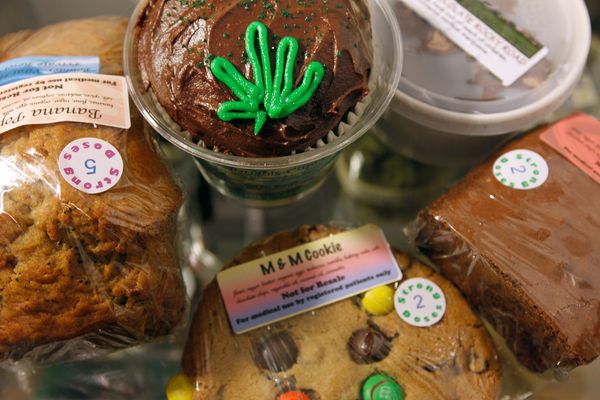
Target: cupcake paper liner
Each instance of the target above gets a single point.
(343, 127)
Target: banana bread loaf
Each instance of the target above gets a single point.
(83, 273)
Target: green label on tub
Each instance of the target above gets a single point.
(508, 31)
(267, 186)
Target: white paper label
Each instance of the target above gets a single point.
(481, 33)
(28, 67)
(420, 302)
(89, 98)
(307, 277)
(91, 165)
(521, 169)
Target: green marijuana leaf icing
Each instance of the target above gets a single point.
(275, 94)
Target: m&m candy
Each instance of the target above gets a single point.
(293, 395)
(179, 388)
(379, 301)
(381, 387)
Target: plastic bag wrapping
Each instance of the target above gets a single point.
(528, 259)
(83, 274)
(330, 352)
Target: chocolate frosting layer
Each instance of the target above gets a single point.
(178, 39)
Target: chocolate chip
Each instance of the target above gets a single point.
(368, 346)
(276, 352)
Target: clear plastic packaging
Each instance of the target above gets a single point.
(83, 274)
(279, 180)
(527, 257)
(331, 352)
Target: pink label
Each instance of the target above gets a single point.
(89, 98)
(577, 138)
(91, 165)
(306, 277)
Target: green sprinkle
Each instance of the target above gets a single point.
(226, 35)
(285, 14)
(308, 19)
(339, 54)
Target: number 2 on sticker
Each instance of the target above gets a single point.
(419, 300)
(519, 170)
(90, 165)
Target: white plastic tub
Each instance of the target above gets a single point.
(447, 112)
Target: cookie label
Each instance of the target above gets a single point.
(483, 34)
(306, 277)
(91, 165)
(89, 98)
(420, 302)
(521, 169)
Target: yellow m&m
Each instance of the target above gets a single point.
(379, 301)
(179, 388)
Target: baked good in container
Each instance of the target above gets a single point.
(528, 259)
(335, 351)
(179, 41)
(83, 273)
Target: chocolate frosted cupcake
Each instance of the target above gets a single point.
(256, 78)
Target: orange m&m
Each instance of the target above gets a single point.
(293, 395)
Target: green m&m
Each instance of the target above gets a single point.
(381, 387)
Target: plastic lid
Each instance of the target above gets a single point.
(438, 73)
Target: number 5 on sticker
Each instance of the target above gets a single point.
(90, 164)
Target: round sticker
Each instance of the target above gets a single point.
(91, 165)
(521, 169)
(420, 302)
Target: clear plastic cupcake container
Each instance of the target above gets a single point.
(280, 180)
(448, 110)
